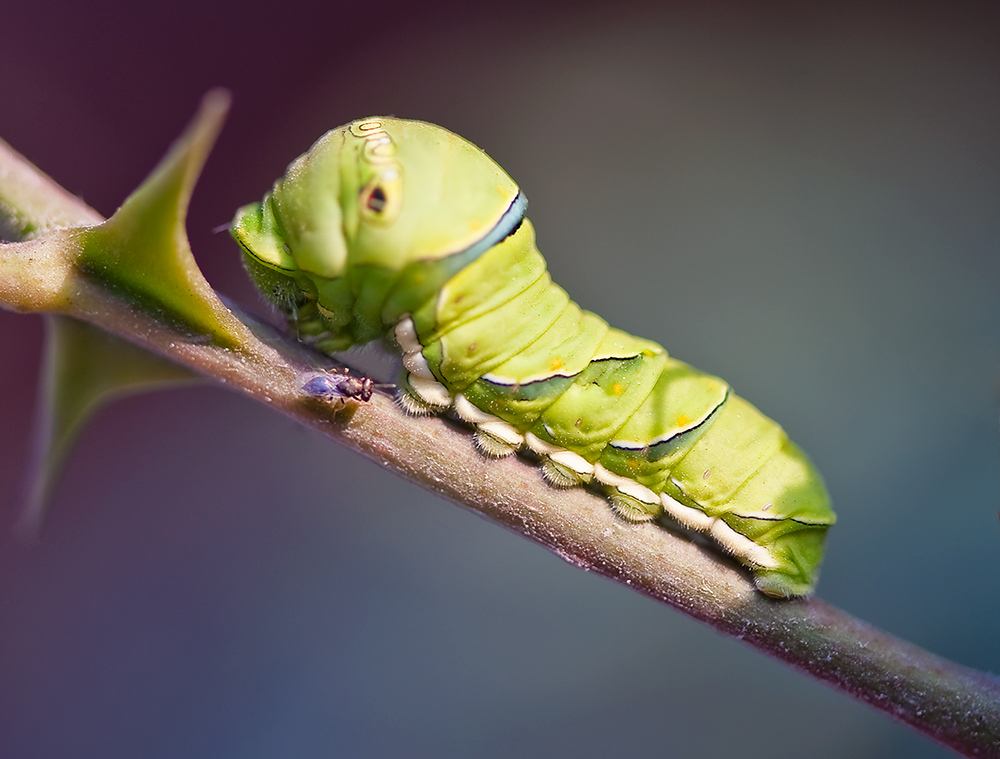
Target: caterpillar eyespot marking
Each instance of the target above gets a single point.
(400, 230)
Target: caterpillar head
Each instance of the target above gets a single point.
(380, 191)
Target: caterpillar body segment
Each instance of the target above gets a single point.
(400, 229)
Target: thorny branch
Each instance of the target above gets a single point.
(955, 705)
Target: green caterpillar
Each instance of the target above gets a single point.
(398, 229)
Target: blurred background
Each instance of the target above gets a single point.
(802, 201)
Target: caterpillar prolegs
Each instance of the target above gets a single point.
(397, 229)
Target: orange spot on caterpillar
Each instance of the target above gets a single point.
(555, 364)
(617, 389)
(683, 420)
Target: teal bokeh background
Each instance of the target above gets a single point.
(804, 202)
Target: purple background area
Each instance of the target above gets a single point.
(803, 202)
